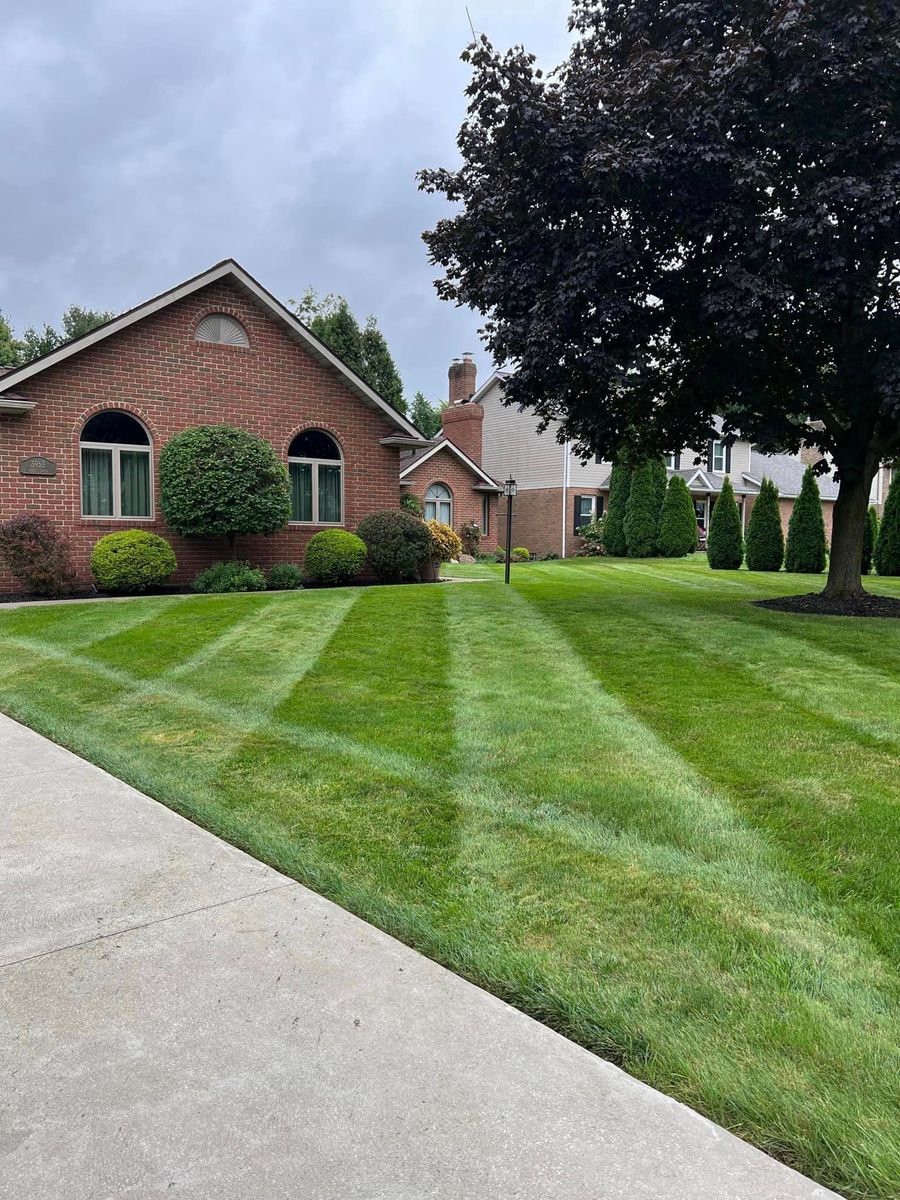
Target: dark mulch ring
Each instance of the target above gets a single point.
(865, 605)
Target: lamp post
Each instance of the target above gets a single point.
(509, 490)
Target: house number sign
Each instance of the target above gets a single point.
(37, 465)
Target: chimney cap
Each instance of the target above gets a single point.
(467, 355)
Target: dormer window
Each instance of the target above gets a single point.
(223, 330)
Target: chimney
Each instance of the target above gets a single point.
(462, 379)
(460, 420)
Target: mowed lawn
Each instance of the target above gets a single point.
(617, 794)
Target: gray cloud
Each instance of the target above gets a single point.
(145, 140)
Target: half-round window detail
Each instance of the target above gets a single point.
(116, 476)
(439, 504)
(216, 327)
(317, 478)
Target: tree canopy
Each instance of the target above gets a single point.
(695, 215)
(76, 321)
(426, 416)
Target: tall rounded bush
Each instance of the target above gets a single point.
(765, 537)
(218, 481)
(641, 524)
(870, 537)
(334, 556)
(614, 530)
(132, 560)
(805, 550)
(37, 555)
(678, 521)
(725, 543)
(887, 547)
(396, 543)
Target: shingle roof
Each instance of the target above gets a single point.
(786, 472)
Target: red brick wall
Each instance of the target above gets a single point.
(537, 519)
(444, 467)
(463, 425)
(156, 371)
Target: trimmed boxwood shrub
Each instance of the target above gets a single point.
(641, 524)
(870, 537)
(231, 576)
(284, 577)
(887, 546)
(37, 555)
(446, 543)
(725, 543)
(132, 560)
(396, 543)
(805, 550)
(334, 556)
(619, 490)
(765, 537)
(519, 554)
(678, 521)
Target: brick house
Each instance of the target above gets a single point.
(448, 476)
(81, 428)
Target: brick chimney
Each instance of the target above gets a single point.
(460, 420)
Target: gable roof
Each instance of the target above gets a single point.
(231, 271)
(444, 443)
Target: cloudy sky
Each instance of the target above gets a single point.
(144, 140)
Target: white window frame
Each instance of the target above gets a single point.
(315, 463)
(437, 501)
(718, 450)
(670, 461)
(116, 448)
(593, 513)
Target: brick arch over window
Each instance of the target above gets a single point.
(439, 503)
(316, 469)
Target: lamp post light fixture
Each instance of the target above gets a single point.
(509, 490)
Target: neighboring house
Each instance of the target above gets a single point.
(558, 493)
(81, 428)
(448, 476)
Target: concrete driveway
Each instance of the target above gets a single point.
(180, 1021)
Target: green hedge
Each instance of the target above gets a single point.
(334, 556)
(132, 560)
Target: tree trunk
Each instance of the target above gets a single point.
(848, 523)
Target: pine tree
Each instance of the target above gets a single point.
(10, 349)
(765, 537)
(380, 369)
(870, 537)
(641, 524)
(678, 521)
(614, 528)
(725, 545)
(425, 416)
(887, 547)
(805, 550)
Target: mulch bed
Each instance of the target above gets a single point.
(815, 603)
(91, 594)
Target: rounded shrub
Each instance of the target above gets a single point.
(765, 537)
(887, 545)
(641, 525)
(805, 550)
(446, 543)
(396, 543)
(132, 560)
(725, 543)
(870, 537)
(334, 556)
(37, 555)
(231, 576)
(284, 577)
(520, 554)
(678, 521)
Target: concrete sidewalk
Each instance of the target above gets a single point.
(179, 1020)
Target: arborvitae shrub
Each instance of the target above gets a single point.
(765, 537)
(614, 532)
(660, 483)
(678, 521)
(641, 524)
(887, 546)
(805, 550)
(725, 544)
(870, 537)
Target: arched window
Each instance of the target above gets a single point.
(116, 480)
(439, 504)
(317, 483)
(226, 331)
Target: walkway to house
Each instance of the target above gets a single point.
(179, 1020)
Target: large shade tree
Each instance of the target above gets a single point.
(696, 214)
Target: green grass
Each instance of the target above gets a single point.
(617, 794)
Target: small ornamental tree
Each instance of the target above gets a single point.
(765, 537)
(870, 537)
(218, 481)
(887, 547)
(678, 521)
(619, 489)
(805, 552)
(641, 525)
(725, 544)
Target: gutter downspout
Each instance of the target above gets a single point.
(565, 492)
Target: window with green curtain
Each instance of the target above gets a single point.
(301, 491)
(135, 482)
(329, 494)
(96, 483)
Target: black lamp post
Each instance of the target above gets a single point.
(509, 490)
